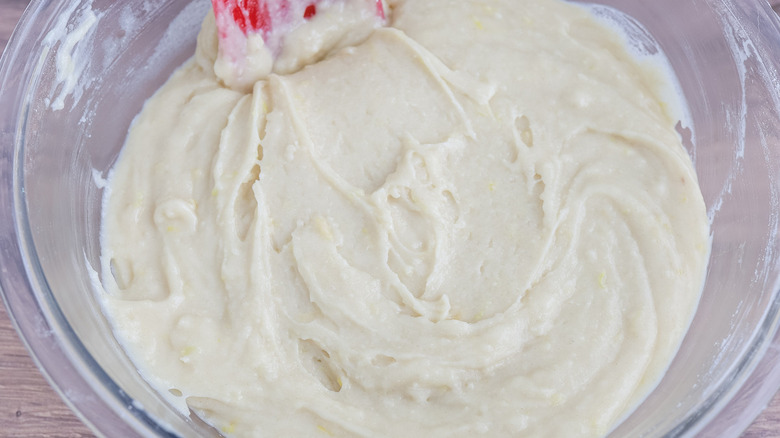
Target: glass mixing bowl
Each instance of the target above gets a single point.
(76, 73)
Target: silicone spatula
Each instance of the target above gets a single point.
(252, 34)
(269, 18)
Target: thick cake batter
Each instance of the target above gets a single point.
(478, 220)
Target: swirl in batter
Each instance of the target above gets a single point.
(478, 220)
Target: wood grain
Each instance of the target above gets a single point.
(10, 11)
(29, 407)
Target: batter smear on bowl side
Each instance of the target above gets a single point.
(475, 220)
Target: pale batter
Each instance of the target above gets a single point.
(479, 220)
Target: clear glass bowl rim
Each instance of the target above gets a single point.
(104, 407)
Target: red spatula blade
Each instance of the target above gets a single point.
(252, 33)
(253, 16)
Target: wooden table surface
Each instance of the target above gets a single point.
(30, 408)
